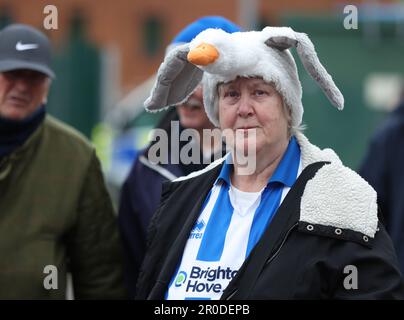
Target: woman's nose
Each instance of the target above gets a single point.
(245, 108)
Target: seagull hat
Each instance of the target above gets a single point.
(215, 56)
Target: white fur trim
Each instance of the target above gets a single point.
(336, 196)
(339, 197)
(310, 153)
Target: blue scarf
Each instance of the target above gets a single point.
(13, 133)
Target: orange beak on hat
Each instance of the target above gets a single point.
(203, 55)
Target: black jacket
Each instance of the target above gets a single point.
(140, 198)
(294, 259)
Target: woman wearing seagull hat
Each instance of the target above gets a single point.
(294, 223)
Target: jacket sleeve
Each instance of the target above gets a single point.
(370, 273)
(132, 229)
(94, 248)
(149, 268)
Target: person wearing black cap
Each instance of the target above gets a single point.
(55, 213)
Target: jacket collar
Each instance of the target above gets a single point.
(285, 173)
(14, 133)
(336, 196)
(7, 163)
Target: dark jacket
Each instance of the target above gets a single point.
(140, 196)
(55, 211)
(382, 167)
(307, 252)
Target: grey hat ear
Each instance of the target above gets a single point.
(177, 78)
(311, 63)
(281, 42)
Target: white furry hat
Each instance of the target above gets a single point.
(215, 56)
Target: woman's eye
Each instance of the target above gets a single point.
(260, 92)
(231, 94)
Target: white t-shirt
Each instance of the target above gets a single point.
(198, 279)
(229, 226)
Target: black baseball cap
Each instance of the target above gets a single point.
(24, 47)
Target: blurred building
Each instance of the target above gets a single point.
(137, 31)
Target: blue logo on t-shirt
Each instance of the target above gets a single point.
(196, 232)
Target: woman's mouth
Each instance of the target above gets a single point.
(246, 128)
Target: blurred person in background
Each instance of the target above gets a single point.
(141, 191)
(55, 213)
(382, 168)
(295, 223)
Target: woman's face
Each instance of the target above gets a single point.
(252, 112)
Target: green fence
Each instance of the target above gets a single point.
(75, 94)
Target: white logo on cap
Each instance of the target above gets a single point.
(28, 46)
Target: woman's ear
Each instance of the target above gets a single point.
(288, 112)
(288, 115)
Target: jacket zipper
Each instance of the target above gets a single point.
(270, 259)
